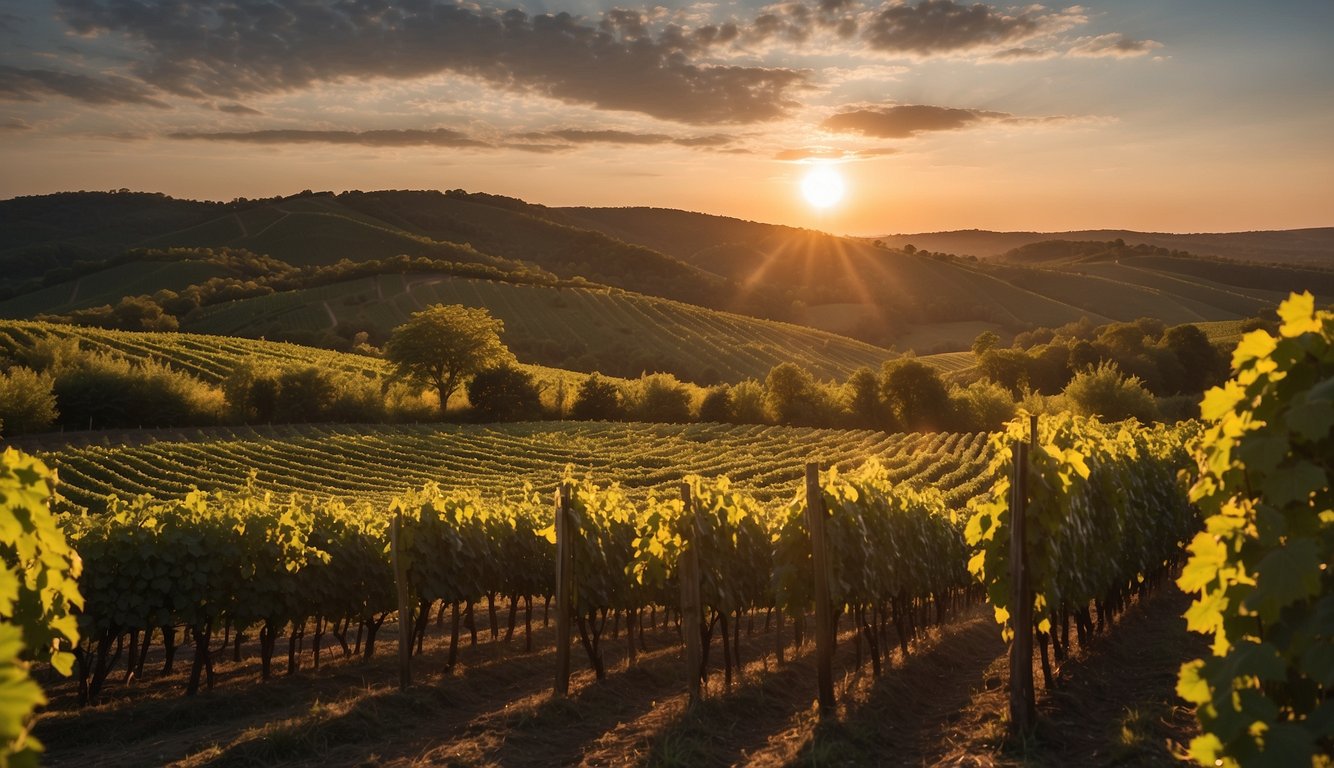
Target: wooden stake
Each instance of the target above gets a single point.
(564, 589)
(824, 619)
(405, 625)
(691, 602)
(1023, 708)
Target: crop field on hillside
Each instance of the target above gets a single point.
(375, 463)
(585, 326)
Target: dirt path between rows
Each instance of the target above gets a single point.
(943, 704)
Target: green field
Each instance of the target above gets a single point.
(374, 463)
(212, 358)
(578, 328)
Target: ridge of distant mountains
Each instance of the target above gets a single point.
(1312, 246)
(936, 296)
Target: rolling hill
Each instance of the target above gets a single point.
(885, 297)
(1301, 247)
(582, 329)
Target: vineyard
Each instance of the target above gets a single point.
(552, 324)
(683, 535)
(376, 463)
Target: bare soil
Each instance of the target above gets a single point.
(942, 704)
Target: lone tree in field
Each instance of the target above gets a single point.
(441, 346)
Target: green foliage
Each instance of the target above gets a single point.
(1106, 393)
(789, 395)
(730, 530)
(982, 406)
(108, 391)
(661, 398)
(27, 402)
(38, 594)
(442, 345)
(1105, 510)
(504, 393)
(914, 394)
(1261, 567)
(985, 341)
(597, 400)
(887, 541)
(716, 405)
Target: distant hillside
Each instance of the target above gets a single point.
(929, 298)
(923, 298)
(40, 234)
(584, 329)
(1300, 247)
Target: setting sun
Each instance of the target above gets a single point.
(822, 187)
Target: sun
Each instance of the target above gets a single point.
(822, 187)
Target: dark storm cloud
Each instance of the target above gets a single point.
(935, 27)
(225, 49)
(900, 122)
(17, 84)
(440, 137)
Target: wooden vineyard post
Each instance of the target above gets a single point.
(691, 603)
(564, 589)
(405, 623)
(1023, 707)
(824, 618)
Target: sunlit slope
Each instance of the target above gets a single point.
(375, 462)
(210, 358)
(110, 285)
(584, 329)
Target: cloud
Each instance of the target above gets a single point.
(228, 50)
(1113, 46)
(575, 136)
(14, 124)
(825, 153)
(439, 137)
(17, 84)
(901, 122)
(1023, 53)
(238, 109)
(943, 27)
(579, 136)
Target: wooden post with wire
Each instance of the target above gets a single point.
(1023, 705)
(564, 589)
(405, 623)
(692, 607)
(824, 615)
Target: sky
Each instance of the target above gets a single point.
(1181, 116)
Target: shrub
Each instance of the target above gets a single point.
(748, 403)
(27, 402)
(105, 392)
(662, 398)
(982, 406)
(717, 405)
(597, 400)
(1108, 394)
(504, 393)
